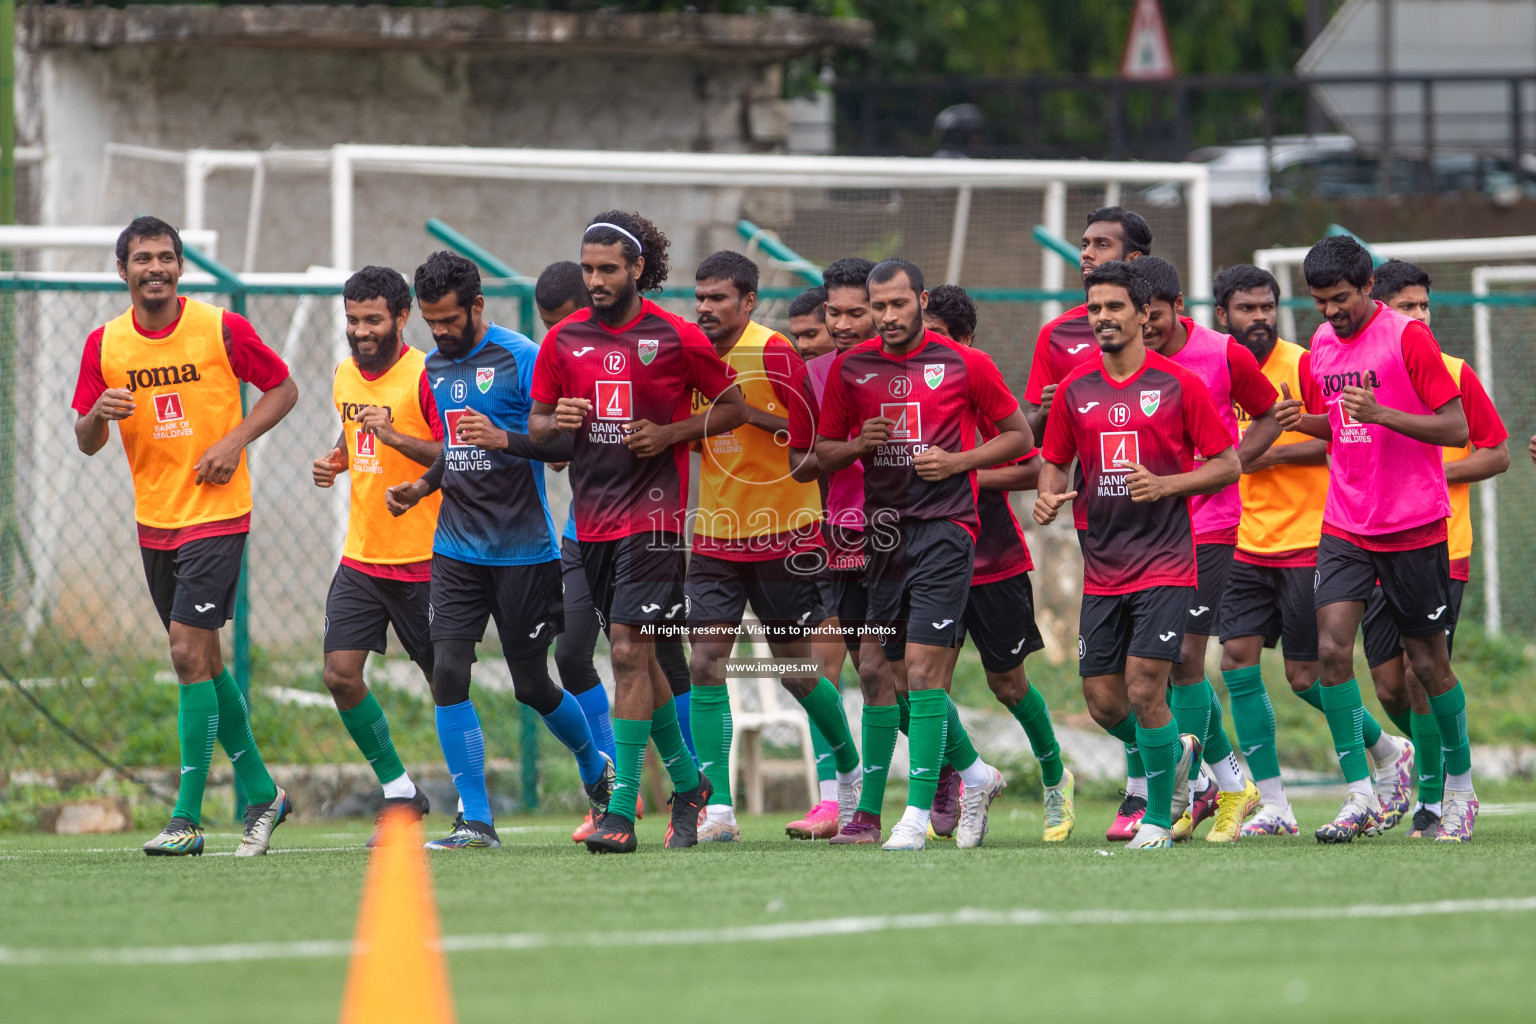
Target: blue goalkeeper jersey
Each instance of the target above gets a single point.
(494, 510)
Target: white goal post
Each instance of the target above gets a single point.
(1051, 178)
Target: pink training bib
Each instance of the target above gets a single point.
(1205, 355)
(1379, 481)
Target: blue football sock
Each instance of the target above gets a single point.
(684, 702)
(594, 704)
(458, 730)
(569, 725)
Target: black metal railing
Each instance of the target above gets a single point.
(1113, 119)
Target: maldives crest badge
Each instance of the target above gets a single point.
(648, 348)
(1150, 400)
(933, 375)
(484, 375)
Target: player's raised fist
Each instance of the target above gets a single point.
(570, 413)
(1048, 504)
(1143, 484)
(1361, 404)
(1288, 411)
(327, 466)
(115, 404)
(875, 432)
(476, 428)
(934, 463)
(645, 439)
(376, 421)
(402, 497)
(1047, 393)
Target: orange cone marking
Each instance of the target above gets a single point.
(397, 972)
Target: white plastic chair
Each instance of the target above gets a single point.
(774, 707)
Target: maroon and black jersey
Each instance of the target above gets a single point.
(648, 369)
(1001, 551)
(1159, 418)
(1062, 345)
(937, 393)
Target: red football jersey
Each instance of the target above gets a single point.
(647, 369)
(1159, 418)
(938, 393)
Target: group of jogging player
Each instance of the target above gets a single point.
(853, 490)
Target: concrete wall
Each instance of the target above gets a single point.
(311, 77)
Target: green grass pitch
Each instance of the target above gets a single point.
(773, 930)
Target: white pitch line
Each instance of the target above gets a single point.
(836, 926)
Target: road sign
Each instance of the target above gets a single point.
(1147, 52)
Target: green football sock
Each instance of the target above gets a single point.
(369, 729)
(1191, 707)
(1254, 719)
(826, 771)
(824, 707)
(926, 741)
(629, 739)
(1217, 746)
(1126, 731)
(1431, 762)
(1370, 729)
(1345, 714)
(1403, 720)
(197, 726)
(904, 708)
(1035, 717)
(1160, 750)
(1134, 768)
(236, 739)
(959, 751)
(710, 720)
(879, 730)
(1450, 711)
(668, 737)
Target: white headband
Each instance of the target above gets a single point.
(626, 234)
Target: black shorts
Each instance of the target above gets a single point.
(1142, 624)
(195, 584)
(638, 581)
(1415, 584)
(1215, 564)
(1273, 602)
(359, 609)
(850, 603)
(918, 591)
(573, 579)
(784, 599)
(826, 592)
(524, 600)
(1382, 640)
(1000, 618)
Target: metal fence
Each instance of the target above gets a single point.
(93, 684)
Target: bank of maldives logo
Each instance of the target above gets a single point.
(168, 407)
(484, 377)
(365, 440)
(1117, 450)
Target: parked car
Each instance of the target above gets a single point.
(1331, 167)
